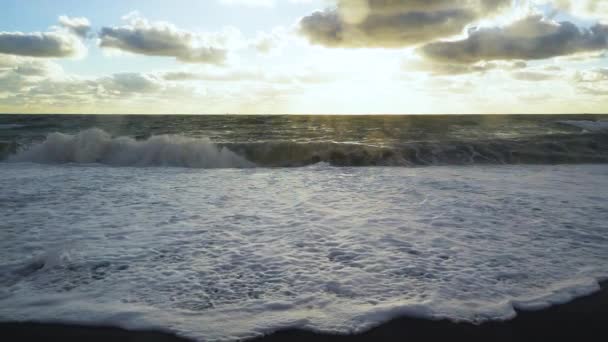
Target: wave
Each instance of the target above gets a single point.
(550, 149)
(7, 148)
(97, 146)
(590, 126)
(11, 126)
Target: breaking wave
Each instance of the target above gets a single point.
(97, 146)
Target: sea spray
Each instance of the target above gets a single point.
(97, 146)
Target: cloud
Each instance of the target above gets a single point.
(33, 78)
(19, 73)
(80, 26)
(137, 93)
(124, 84)
(443, 68)
(593, 82)
(591, 76)
(141, 36)
(269, 42)
(216, 75)
(255, 75)
(266, 43)
(131, 92)
(583, 8)
(41, 44)
(59, 42)
(530, 38)
(392, 24)
(38, 85)
(533, 76)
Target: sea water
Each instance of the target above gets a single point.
(329, 224)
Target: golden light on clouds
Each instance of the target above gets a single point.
(345, 56)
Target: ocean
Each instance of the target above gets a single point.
(228, 227)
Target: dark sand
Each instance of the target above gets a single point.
(14, 332)
(585, 319)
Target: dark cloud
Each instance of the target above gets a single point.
(392, 23)
(327, 28)
(161, 39)
(59, 42)
(528, 39)
(40, 44)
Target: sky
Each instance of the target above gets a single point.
(304, 56)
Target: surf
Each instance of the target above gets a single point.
(98, 146)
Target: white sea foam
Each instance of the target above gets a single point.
(225, 254)
(97, 146)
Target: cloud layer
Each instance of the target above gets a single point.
(418, 50)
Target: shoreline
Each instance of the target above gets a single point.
(584, 316)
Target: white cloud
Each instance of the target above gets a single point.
(164, 39)
(597, 9)
(304, 74)
(80, 26)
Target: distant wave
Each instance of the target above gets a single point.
(548, 149)
(11, 126)
(97, 146)
(590, 126)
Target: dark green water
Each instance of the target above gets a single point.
(346, 140)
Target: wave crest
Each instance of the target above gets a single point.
(97, 146)
(549, 149)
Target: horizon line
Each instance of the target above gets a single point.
(302, 114)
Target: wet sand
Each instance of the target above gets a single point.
(582, 319)
(29, 331)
